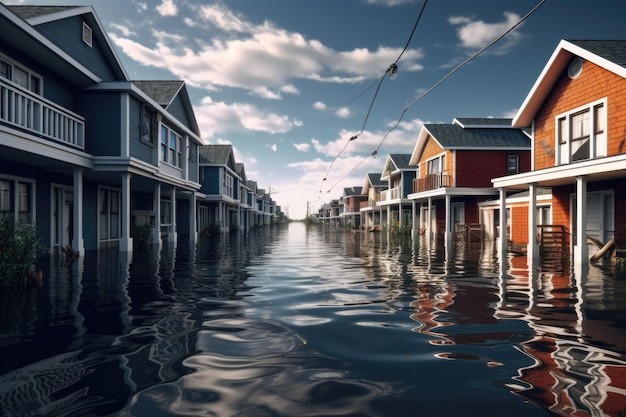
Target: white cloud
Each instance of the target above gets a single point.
(167, 8)
(390, 2)
(123, 29)
(318, 105)
(475, 34)
(273, 147)
(221, 117)
(302, 147)
(261, 58)
(343, 112)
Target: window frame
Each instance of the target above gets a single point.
(171, 146)
(510, 170)
(441, 164)
(17, 199)
(112, 214)
(34, 81)
(584, 127)
(87, 35)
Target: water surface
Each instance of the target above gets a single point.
(296, 321)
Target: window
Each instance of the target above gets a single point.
(145, 125)
(166, 213)
(228, 186)
(16, 200)
(109, 213)
(20, 75)
(512, 164)
(581, 134)
(436, 165)
(171, 147)
(87, 34)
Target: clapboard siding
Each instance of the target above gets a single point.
(102, 123)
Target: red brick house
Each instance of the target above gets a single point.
(576, 111)
(455, 164)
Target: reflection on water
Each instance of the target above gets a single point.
(290, 321)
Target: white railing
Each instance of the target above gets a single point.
(391, 194)
(27, 111)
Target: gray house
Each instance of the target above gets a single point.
(86, 154)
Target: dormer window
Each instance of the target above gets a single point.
(87, 34)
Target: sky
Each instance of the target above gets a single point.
(289, 82)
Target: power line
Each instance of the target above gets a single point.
(406, 108)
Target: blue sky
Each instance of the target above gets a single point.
(289, 82)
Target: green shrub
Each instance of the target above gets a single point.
(20, 249)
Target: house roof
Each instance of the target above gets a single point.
(484, 122)
(161, 91)
(608, 54)
(373, 180)
(217, 155)
(396, 162)
(352, 191)
(455, 137)
(39, 15)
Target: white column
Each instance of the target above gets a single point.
(78, 241)
(532, 250)
(126, 242)
(503, 244)
(429, 226)
(448, 236)
(193, 218)
(581, 252)
(156, 207)
(171, 236)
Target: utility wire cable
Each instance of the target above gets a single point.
(391, 70)
(406, 108)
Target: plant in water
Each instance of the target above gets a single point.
(142, 235)
(20, 249)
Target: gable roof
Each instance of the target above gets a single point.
(455, 137)
(161, 91)
(218, 155)
(396, 162)
(484, 122)
(372, 180)
(352, 191)
(608, 54)
(39, 15)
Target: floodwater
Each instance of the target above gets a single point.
(297, 321)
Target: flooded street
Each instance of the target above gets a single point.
(297, 321)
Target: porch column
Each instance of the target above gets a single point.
(532, 250)
(413, 220)
(77, 238)
(389, 217)
(448, 237)
(171, 237)
(503, 244)
(156, 206)
(429, 226)
(581, 252)
(193, 218)
(126, 242)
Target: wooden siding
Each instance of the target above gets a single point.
(592, 84)
(177, 110)
(477, 168)
(193, 162)
(67, 35)
(519, 223)
(407, 182)
(102, 113)
(139, 148)
(210, 183)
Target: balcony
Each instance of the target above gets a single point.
(431, 182)
(391, 194)
(34, 114)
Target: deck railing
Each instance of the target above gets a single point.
(431, 182)
(27, 111)
(391, 194)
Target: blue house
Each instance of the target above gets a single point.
(86, 154)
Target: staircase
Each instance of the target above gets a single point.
(553, 250)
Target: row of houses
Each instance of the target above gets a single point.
(557, 168)
(87, 154)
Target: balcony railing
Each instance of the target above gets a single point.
(32, 113)
(431, 182)
(391, 194)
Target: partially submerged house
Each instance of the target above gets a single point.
(372, 215)
(399, 176)
(577, 114)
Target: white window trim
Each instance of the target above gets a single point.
(87, 35)
(30, 73)
(164, 154)
(442, 167)
(119, 232)
(558, 159)
(15, 195)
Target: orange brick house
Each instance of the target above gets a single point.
(577, 114)
(455, 164)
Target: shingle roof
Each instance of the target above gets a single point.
(453, 136)
(482, 121)
(401, 160)
(161, 91)
(350, 191)
(375, 180)
(28, 12)
(613, 50)
(215, 154)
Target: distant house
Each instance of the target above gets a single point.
(86, 154)
(351, 199)
(577, 113)
(372, 215)
(455, 164)
(399, 176)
